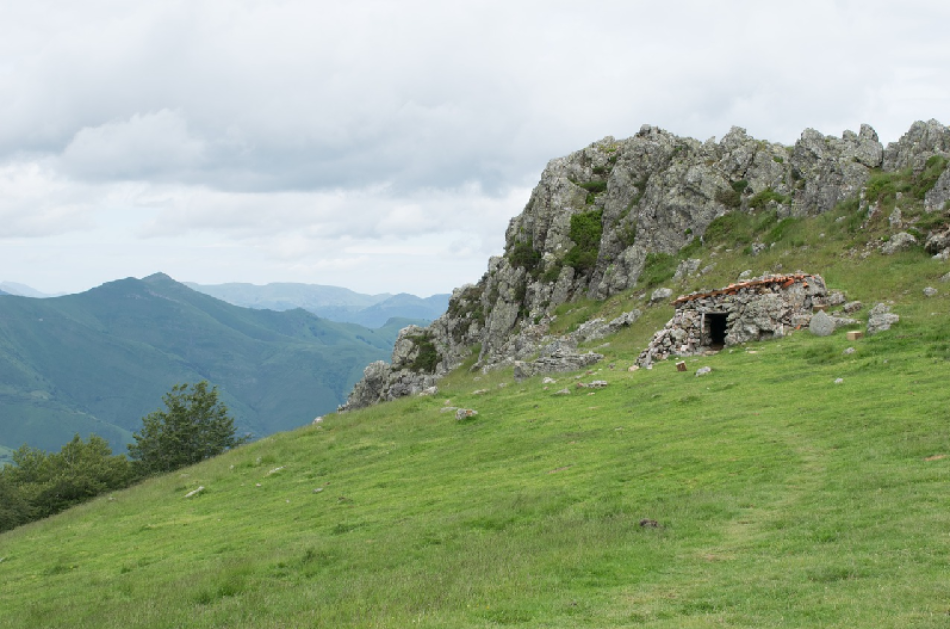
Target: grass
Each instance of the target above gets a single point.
(783, 499)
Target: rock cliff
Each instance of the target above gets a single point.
(599, 216)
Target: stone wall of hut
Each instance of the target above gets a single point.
(759, 309)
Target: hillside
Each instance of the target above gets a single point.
(98, 361)
(781, 498)
(800, 483)
(330, 302)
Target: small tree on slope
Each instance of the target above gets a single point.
(195, 426)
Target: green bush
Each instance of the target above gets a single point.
(761, 199)
(40, 484)
(427, 358)
(586, 231)
(523, 255)
(594, 186)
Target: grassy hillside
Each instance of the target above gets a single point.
(97, 362)
(782, 498)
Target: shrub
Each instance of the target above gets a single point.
(194, 426)
(523, 255)
(427, 358)
(761, 199)
(586, 231)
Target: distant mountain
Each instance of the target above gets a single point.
(329, 302)
(401, 305)
(99, 361)
(13, 288)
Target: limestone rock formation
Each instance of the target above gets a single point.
(599, 216)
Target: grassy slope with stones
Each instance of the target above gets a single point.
(783, 499)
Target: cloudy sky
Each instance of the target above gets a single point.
(383, 145)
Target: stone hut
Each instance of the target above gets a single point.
(758, 309)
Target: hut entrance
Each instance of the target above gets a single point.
(716, 330)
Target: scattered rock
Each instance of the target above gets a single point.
(448, 409)
(938, 241)
(930, 291)
(702, 371)
(648, 523)
(880, 319)
(895, 220)
(849, 351)
(317, 420)
(275, 470)
(632, 368)
(839, 380)
(661, 294)
(559, 361)
(465, 413)
(898, 242)
(194, 492)
(852, 307)
(945, 278)
(745, 274)
(843, 322)
(433, 390)
(548, 380)
(318, 490)
(687, 268)
(563, 392)
(480, 392)
(835, 298)
(821, 324)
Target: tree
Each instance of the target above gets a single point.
(39, 484)
(14, 509)
(195, 426)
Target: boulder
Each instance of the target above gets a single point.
(900, 241)
(880, 319)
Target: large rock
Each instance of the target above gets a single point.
(880, 319)
(900, 241)
(821, 324)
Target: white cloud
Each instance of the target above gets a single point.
(151, 146)
(35, 203)
(292, 130)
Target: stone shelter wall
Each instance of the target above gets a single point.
(762, 308)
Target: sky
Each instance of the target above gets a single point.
(384, 146)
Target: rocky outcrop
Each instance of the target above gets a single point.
(600, 216)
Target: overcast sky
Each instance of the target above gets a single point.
(383, 146)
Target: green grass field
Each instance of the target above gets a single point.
(782, 498)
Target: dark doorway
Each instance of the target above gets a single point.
(716, 329)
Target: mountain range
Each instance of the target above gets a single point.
(98, 361)
(330, 302)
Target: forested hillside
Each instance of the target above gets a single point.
(98, 361)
